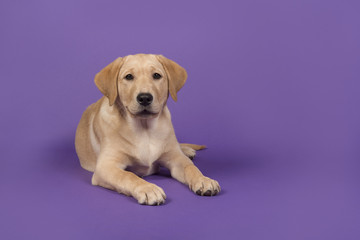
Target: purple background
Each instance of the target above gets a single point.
(273, 91)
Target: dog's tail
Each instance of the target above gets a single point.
(193, 146)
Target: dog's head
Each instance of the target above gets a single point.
(141, 82)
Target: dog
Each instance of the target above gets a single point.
(128, 134)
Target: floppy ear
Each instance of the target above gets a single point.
(106, 80)
(175, 73)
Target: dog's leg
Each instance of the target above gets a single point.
(190, 149)
(184, 170)
(109, 173)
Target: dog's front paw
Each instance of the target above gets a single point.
(149, 194)
(205, 186)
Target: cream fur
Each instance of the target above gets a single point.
(120, 145)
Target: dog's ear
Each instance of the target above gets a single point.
(106, 80)
(175, 73)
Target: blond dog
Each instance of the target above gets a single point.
(128, 132)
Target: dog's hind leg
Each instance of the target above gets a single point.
(190, 149)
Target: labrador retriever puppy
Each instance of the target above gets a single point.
(128, 133)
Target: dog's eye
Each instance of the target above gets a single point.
(129, 77)
(156, 76)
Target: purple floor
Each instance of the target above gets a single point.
(273, 91)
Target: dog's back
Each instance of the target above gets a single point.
(83, 145)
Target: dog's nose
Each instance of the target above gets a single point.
(144, 99)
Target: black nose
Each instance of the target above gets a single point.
(144, 99)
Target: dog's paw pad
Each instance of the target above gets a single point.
(207, 193)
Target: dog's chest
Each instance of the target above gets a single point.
(148, 147)
(148, 150)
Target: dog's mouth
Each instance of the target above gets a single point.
(144, 113)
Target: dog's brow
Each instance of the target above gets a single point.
(154, 68)
(129, 70)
